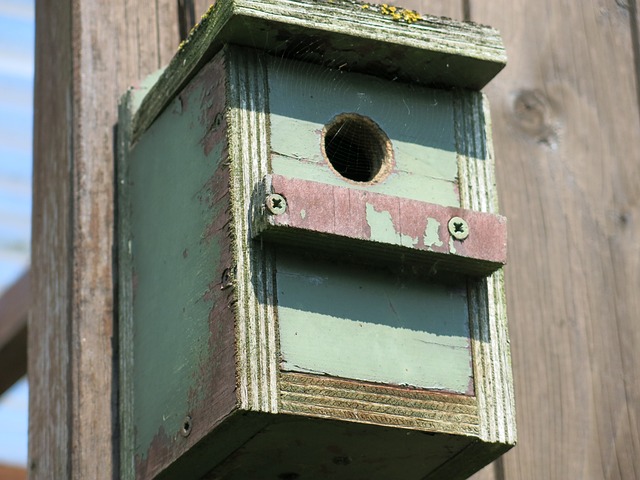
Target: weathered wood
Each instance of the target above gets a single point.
(438, 8)
(175, 315)
(433, 51)
(566, 127)
(48, 329)
(567, 171)
(87, 53)
(231, 120)
(86, 56)
(384, 225)
(14, 309)
(373, 316)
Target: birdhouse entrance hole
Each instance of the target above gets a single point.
(357, 148)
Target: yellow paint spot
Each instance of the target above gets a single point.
(397, 13)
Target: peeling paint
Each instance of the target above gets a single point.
(431, 234)
(350, 214)
(383, 230)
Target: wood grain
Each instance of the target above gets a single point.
(14, 308)
(87, 53)
(400, 53)
(48, 333)
(566, 126)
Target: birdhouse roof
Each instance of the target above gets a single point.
(382, 40)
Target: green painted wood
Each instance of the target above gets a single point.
(178, 329)
(371, 324)
(418, 121)
(171, 269)
(129, 103)
(430, 50)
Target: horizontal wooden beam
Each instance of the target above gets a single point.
(14, 308)
(12, 473)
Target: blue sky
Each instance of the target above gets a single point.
(17, 34)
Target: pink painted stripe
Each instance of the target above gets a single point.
(364, 215)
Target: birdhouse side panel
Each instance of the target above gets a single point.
(181, 242)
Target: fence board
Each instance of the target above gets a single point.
(566, 131)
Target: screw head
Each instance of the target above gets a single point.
(276, 204)
(458, 228)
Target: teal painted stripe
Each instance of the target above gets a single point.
(367, 324)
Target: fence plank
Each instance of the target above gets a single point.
(566, 128)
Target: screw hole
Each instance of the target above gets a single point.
(186, 426)
(357, 148)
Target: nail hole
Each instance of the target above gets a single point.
(186, 426)
(357, 148)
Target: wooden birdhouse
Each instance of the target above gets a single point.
(310, 251)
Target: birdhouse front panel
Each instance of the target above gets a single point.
(335, 316)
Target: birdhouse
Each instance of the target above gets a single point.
(310, 254)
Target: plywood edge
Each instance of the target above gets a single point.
(14, 310)
(328, 397)
(125, 291)
(451, 53)
(256, 330)
(488, 316)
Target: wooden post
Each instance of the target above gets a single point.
(87, 52)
